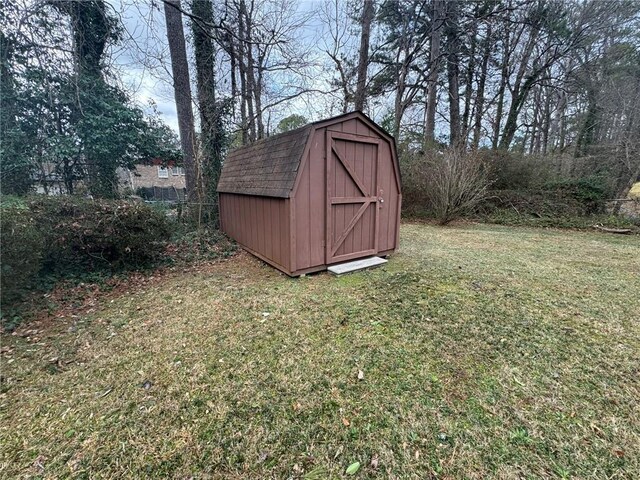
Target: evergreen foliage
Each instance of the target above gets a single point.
(69, 124)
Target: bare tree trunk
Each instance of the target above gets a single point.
(398, 107)
(588, 131)
(257, 95)
(363, 59)
(246, 62)
(432, 78)
(557, 128)
(453, 68)
(534, 120)
(233, 67)
(504, 78)
(482, 80)
(468, 87)
(562, 137)
(210, 163)
(400, 86)
(244, 89)
(546, 123)
(243, 103)
(520, 91)
(182, 89)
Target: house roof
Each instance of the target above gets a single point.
(267, 167)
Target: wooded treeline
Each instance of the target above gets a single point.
(550, 79)
(546, 78)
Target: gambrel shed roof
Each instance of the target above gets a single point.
(267, 167)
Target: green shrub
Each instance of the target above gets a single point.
(535, 203)
(82, 234)
(590, 191)
(22, 245)
(514, 171)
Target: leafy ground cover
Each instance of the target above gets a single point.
(479, 351)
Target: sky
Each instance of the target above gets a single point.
(142, 60)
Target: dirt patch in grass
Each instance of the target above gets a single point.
(485, 351)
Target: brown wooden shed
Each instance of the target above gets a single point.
(319, 195)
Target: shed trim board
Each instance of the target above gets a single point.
(301, 208)
(294, 245)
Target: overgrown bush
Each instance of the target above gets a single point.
(413, 170)
(83, 234)
(506, 216)
(22, 245)
(558, 198)
(456, 183)
(50, 239)
(514, 171)
(534, 203)
(444, 184)
(437, 185)
(591, 191)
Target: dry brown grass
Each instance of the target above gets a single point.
(487, 351)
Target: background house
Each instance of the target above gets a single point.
(156, 181)
(46, 181)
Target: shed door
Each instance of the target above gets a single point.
(352, 200)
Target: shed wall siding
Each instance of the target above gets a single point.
(388, 218)
(260, 224)
(355, 126)
(309, 205)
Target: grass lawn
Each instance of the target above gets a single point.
(485, 351)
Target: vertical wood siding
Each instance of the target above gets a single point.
(309, 207)
(388, 220)
(261, 224)
(362, 157)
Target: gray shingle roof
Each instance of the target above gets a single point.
(267, 167)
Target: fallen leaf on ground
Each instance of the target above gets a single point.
(353, 468)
